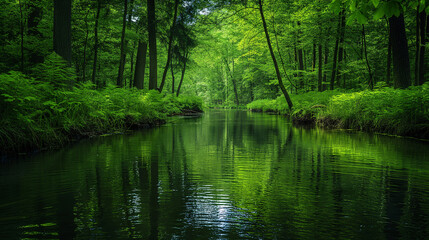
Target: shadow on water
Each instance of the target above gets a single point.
(229, 174)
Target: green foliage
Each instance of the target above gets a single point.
(403, 112)
(388, 110)
(306, 106)
(55, 70)
(33, 114)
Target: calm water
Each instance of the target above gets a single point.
(226, 175)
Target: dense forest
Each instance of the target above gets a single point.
(85, 67)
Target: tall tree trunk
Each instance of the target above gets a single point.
(325, 63)
(172, 75)
(120, 78)
(153, 62)
(401, 59)
(341, 47)
(140, 65)
(94, 66)
(170, 41)
(420, 54)
(334, 62)
(300, 60)
(370, 80)
(21, 23)
(279, 77)
(85, 46)
(132, 65)
(313, 64)
(389, 59)
(319, 79)
(183, 75)
(34, 18)
(417, 56)
(62, 29)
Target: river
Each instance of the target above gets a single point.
(229, 174)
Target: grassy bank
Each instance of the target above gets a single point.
(37, 114)
(385, 110)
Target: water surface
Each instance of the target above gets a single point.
(226, 175)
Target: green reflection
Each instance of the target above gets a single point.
(228, 174)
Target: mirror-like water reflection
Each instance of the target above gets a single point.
(226, 175)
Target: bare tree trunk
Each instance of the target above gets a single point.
(62, 29)
(313, 65)
(172, 76)
(420, 50)
(85, 45)
(319, 79)
(94, 66)
(341, 47)
(183, 74)
(21, 23)
(132, 65)
(325, 63)
(140, 65)
(170, 41)
(153, 62)
(279, 77)
(370, 80)
(334, 62)
(401, 59)
(389, 60)
(120, 78)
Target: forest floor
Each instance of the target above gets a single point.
(384, 110)
(39, 115)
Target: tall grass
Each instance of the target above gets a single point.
(387, 110)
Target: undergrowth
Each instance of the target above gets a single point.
(36, 113)
(387, 110)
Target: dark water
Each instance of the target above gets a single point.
(226, 175)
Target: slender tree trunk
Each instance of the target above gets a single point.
(279, 77)
(94, 66)
(62, 29)
(85, 45)
(341, 47)
(140, 65)
(300, 59)
(21, 23)
(183, 75)
(120, 78)
(420, 54)
(389, 59)
(334, 62)
(370, 80)
(313, 65)
(172, 75)
(319, 79)
(401, 59)
(153, 62)
(132, 65)
(417, 57)
(281, 60)
(170, 41)
(325, 63)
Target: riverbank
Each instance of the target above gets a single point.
(384, 110)
(38, 115)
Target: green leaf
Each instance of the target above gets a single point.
(380, 12)
(375, 2)
(362, 19)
